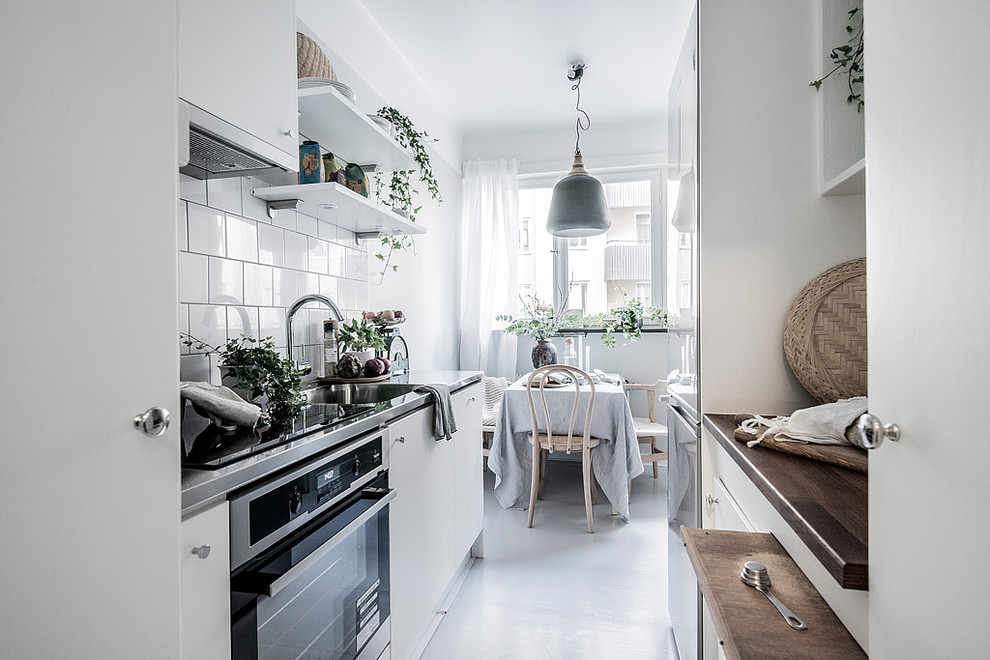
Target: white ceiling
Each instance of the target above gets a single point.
(501, 65)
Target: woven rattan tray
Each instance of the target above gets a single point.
(311, 61)
(825, 333)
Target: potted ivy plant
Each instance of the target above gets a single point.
(400, 190)
(628, 319)
(360, 337)
(254, 369)
(540, 322)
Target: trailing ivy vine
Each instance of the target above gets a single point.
(401, 190)
(848, 58)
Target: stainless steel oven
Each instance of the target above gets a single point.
(310, 558)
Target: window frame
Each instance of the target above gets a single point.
(657, 176)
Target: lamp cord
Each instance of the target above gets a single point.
(578, 127)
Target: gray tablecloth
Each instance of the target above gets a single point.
(615, 462)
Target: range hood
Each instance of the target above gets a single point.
(217, 148)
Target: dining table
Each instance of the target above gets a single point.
(615, 461)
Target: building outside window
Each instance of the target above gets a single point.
(596, 273)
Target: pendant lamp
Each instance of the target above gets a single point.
(577, 207)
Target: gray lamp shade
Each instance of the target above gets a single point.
(577, 207)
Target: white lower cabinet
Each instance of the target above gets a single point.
(436, 516)
(205, 576)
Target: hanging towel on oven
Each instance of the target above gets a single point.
(444, 425)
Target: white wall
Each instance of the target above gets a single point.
(765, 232)
(426, 285)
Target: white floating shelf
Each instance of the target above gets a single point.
(344, 207)
(851, 181)
(340, 127)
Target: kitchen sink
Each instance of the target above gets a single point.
(357, 393)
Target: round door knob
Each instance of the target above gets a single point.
(288, 133)
(872, 431)
(202, 551)
(152, 422)
(711, 501)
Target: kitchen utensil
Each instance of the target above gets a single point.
(757, 576)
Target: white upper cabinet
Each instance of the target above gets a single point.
(237, 61)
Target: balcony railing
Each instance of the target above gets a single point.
(627, 260)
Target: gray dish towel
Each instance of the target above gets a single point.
(444, 426)
(221, 402)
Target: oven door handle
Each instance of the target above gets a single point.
(289, 576)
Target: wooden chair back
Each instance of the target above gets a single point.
(538, 383)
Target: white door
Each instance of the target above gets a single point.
(928, 238)
(89, 507)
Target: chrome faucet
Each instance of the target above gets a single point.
(308, 298)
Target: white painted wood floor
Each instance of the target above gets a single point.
(557, 592)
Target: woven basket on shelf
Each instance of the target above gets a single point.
(825, 333)
(311, 61)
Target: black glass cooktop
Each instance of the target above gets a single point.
(207, 446)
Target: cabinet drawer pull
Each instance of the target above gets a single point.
(471, 400)
(711, 501)
(401, 438)
(202, 551)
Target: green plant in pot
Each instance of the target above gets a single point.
(254, 369)
(628, 319)
(400, 189)
(541, 323)
(357, 342)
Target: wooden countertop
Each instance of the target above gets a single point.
(748, 624)
(825, 505)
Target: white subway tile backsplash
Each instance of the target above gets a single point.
(308, 283)
(319, 256)
(226, 281)
(206, 230)
(328, 287)
(242, 238)
(285, 218)
(271, 321)
(251, 206)
(326, 231)
(239, 270)
(258, 285)
(242, 321)
(183, 226)
(356, 264)
(271, 245)
(194, 368)
(194, 278)
(296, 250)
(337, 259)
(224, 194)
(306, 224)
(285, 287)
(193, 190)
(183, 328)
(208, 324)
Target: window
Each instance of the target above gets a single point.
(577, 296)
(596, 273)
(524, 234)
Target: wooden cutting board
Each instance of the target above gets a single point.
(846, 456)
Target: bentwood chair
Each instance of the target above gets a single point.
(553, 438)
(648, 429)
(492, 389)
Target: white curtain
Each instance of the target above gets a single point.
(489, 244)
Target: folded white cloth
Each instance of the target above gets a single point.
(221, 402)
(824, 425)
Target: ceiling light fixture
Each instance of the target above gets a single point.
(577, 207)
